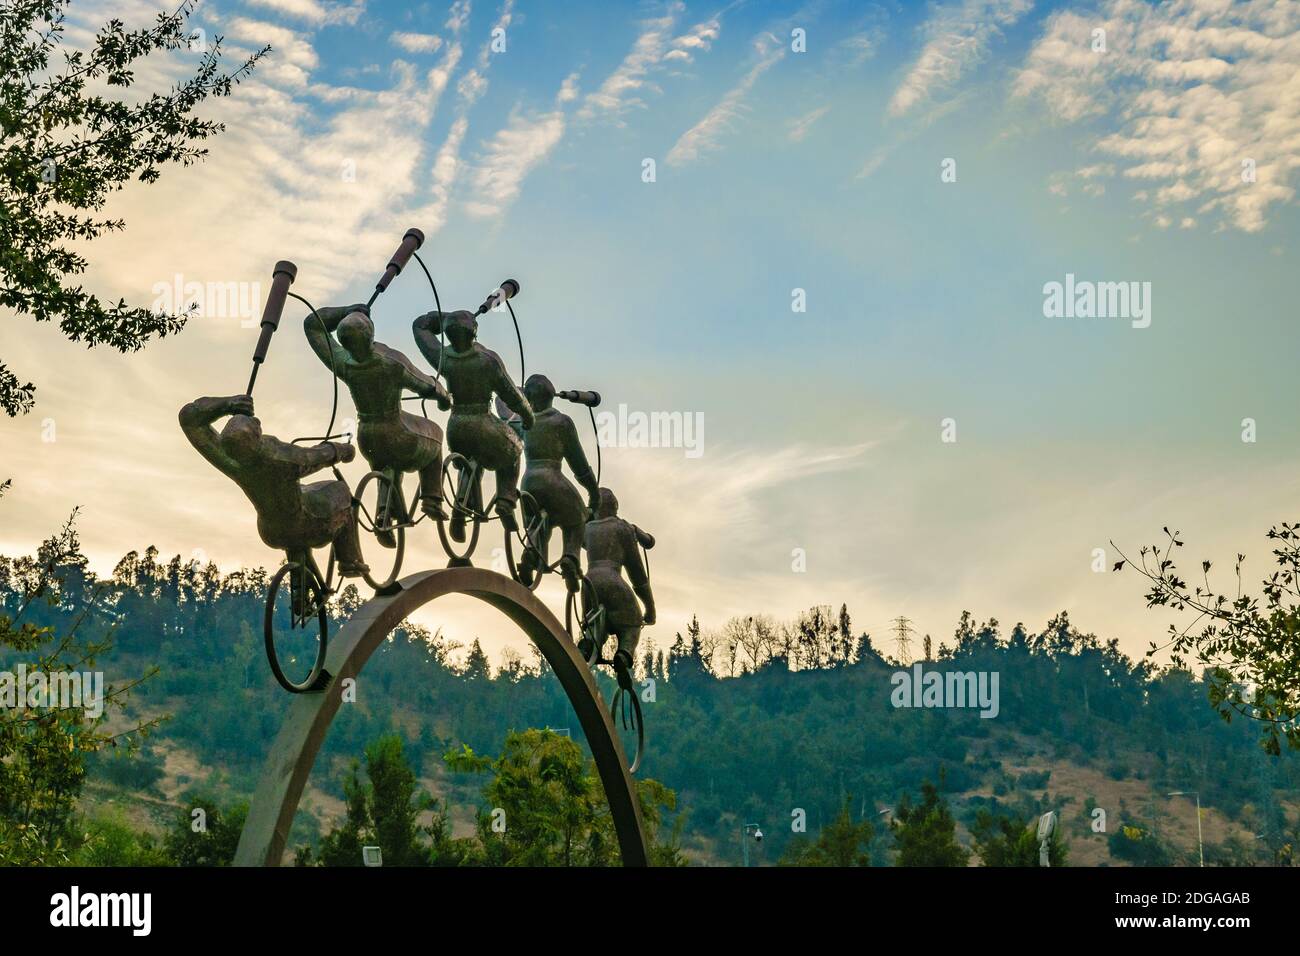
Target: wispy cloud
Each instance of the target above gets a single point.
(655, 49)
(1194, 91)
(618, 92)
(703, 136)
(315, 12)
(510, 155)
(802, 125)
(416, 42)
(958, 39)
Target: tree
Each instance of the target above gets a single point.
(925, 833)
(204, 834)
(843, 843)
(342, 846)
(1251, 648)
(383, 812)
(1001, 840)
(395, 803)
(66, 145)
(44, 743)
(546, 806)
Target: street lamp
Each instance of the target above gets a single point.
(744, 838)
(1200, 844)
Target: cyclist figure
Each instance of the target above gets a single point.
(473, 375)
(376, 375)
(290, 516)
(611, 546)
(552, 441)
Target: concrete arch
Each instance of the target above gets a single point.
(270, 816)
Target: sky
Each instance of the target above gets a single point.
(822, 231)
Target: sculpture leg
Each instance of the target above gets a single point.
(431, 486)
(570, 566)
(508, 493)
(625, 656)
(347, 549)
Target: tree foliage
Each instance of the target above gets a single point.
(70, 136)
(1250, 646)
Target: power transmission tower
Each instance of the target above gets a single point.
(903, 628)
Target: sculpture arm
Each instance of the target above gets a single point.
(637, 573)
(577, 459)
(426, 330)
(511, 395)
(426, 386)
(196, 420)
(309, 459)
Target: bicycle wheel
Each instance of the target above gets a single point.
(532, 562)
(462, 493)
(388, 516)
(296, 620)
(631, 722)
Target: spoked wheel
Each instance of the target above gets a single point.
(379, 510)
(625, 709)
(532, 562)
(296, 627)
(465, 496)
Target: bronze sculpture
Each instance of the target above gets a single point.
(392, 441)
(552, 441)
(474, 374)
(613, 547)
(290, 516)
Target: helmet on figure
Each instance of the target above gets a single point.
(461, 328)
(539, 391)
(357, 334)
(607, 507)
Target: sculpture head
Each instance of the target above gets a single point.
(357, 334)
(607, 507)
(241, 437)
(539, 391)
(461, 328)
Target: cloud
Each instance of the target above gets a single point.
(800, 126)
(703, 136)
(959, 38)
(458, 16)
(698, 38)
(618, 93)
(315, 12)
(511, 154)
(655, 49)
(1192, 92)
(569, 89)
(416, 42)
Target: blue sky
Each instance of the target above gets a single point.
(775, 170)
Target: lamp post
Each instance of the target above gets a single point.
(1200, 844)
(744, 838)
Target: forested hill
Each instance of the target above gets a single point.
(751, 721)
